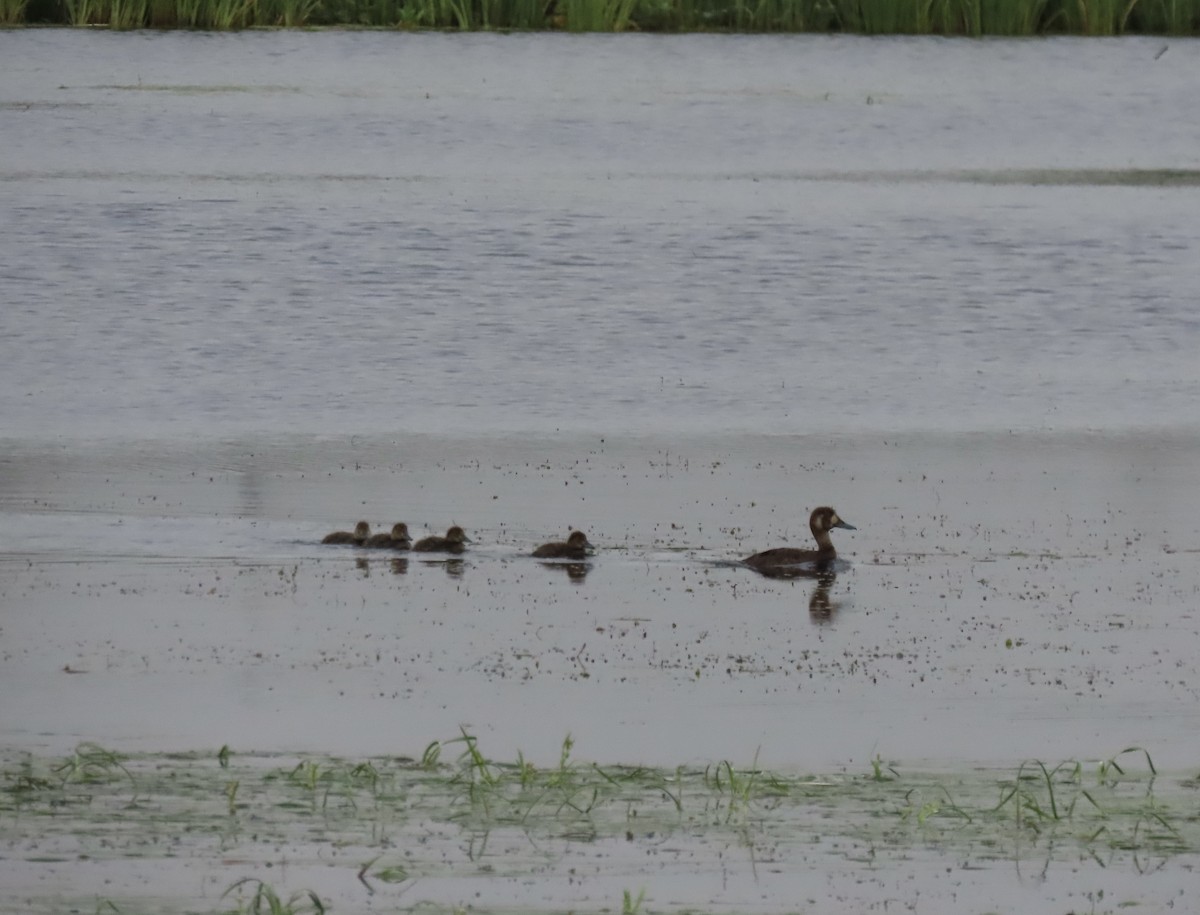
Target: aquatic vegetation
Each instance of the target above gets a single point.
(266, 901)
(630, 905)
(396, 820)
(91, 763)
(879, 17)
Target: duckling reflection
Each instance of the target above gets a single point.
(454, 567)
(576, 546)
(396, 539)
(361, 532)
(786, 562)
(454, 542)
(399, 566)
(575, 571)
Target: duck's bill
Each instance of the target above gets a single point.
(845, 526)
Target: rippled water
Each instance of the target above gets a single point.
(346, 232)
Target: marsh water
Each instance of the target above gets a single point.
(673, 291)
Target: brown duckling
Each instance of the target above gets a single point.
(398, 539)
(821, 522)
(453, 542)
(575, 547)
(361, 532)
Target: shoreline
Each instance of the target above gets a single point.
(1020, 20)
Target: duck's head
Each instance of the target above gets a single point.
(362, 530)
(400, 531)
(457, 535)
(825, 519)
(578, 540)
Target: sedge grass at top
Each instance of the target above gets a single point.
(12, 12)
(882, 17)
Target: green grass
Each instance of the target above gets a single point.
(12, 12)
(126, 14)
(457, 811)
(882, 17)
(264, 900)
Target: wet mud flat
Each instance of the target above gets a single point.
(1009, 598)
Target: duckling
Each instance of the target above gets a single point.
(362, 531)
(398, 539)
(576, 547)
(787, 559)
(453, 542)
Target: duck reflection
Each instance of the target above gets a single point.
(452, 566)
(820, 608)
(575, 571)
(399, 566)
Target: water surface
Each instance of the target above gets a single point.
(674, 291)
(376, 232)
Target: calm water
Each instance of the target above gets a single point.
(389, 233)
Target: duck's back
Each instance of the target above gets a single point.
(437, 545)
(387, 541)
(788, 556)
(560, 551)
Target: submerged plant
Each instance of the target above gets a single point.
(399, 819)
(433, 753)
(265, 901)
(941, 805)
(1034, 798)
(631, 906)
(92, 763)
(1110, 765)
(881, 772)
(742, 786)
